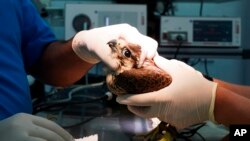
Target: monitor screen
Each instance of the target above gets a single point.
(212, 31)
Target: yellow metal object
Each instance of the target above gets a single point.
(166, 137)
(163, 132)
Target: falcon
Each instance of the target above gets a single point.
(129, 78)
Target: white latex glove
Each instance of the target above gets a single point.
(91, 45)
(188, 100)
(25, 127)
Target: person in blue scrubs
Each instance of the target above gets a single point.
(28, 46)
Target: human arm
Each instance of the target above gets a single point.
(242, 90)
(25, 127)
(49, 60)
(188, 100)
(232, 101)
(62, 63)
(59, 65)
(231, 107)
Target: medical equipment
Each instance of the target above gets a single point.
(200, 31)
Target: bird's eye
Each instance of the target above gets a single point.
(126, 53)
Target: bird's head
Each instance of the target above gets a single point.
(126, 54)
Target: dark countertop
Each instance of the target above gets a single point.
(109, 120)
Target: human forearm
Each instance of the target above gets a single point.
(238, 89)
(59, 65)
(231, 108)
(65, 62)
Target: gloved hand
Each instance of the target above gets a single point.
(188, 100)
(25, 127)
(91, 45)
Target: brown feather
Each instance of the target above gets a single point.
(128, 78)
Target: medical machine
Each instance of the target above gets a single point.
(200, 31)
(86, 16)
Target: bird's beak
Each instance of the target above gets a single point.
(112, 44)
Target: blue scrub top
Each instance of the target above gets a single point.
(23, 36)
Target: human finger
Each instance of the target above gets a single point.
(52, 126)
(142, 57)
(150, 45)
(45, 134)
(165, 64)
(145, 99)
(142, 111)
(35, 139)
(149, 48)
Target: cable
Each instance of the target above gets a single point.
(194, 62)
(169, 8)
(177, 51)
(53, 97)
(179, 39)
(62, 104)
(201, 14)
(206, 69)
(73, 91)
(201, 7)
(186, 135)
